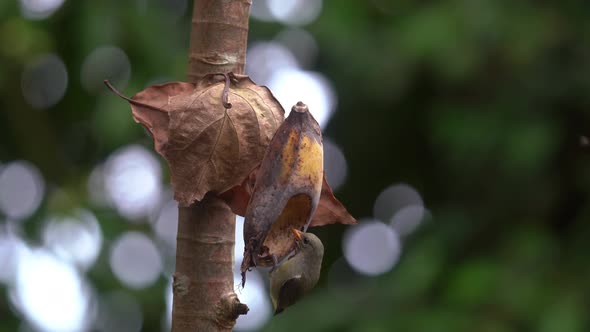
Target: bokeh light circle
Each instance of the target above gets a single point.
(133, 181)
(39, 9)
(106, 62)
(51, 293)
(265, 58)
(290, 85)
(408, 219)
(44, 81)
(394, 198)
(77, 238)
(259, 10)
(371, 247)
(135, 260)
(12, 250)
(21, 189)
(295, 12)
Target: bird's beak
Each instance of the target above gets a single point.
(297, 234)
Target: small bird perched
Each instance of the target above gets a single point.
(299, 274)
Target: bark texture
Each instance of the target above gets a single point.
(219, 37)
(204, 299)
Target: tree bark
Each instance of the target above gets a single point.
(204, 298)
(219, 37)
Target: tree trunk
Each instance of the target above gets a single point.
(219, 37)
(204, 298)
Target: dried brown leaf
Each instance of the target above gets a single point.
(207, 146)
(330, 210)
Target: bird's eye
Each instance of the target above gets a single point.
(305, 240)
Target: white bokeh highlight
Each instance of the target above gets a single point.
(39, 9)
(393, 199)
(76, 239)
(135, 260)
(44, 81)
(133, 181)
(12, 251)
(106, 62)
(408, 219)
(51, 294)
(265, 58)
(335, 165)
(371, 247)
(290, 85)
(259, 10)
(295, 12)
(274, 65)
(21, 189)
(255, 295)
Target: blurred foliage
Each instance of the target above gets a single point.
(480, 105)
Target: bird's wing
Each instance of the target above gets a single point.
(291, 291)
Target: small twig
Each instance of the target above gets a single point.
(134, 102)
(225, 96)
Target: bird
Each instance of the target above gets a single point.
(298, 275)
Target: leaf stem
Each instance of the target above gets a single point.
(130, 100)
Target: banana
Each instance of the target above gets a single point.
(287, 190)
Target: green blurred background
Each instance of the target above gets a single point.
(482, 107)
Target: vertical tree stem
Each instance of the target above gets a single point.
(204, 299)
(219, 37)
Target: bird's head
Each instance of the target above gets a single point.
(308, 242)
